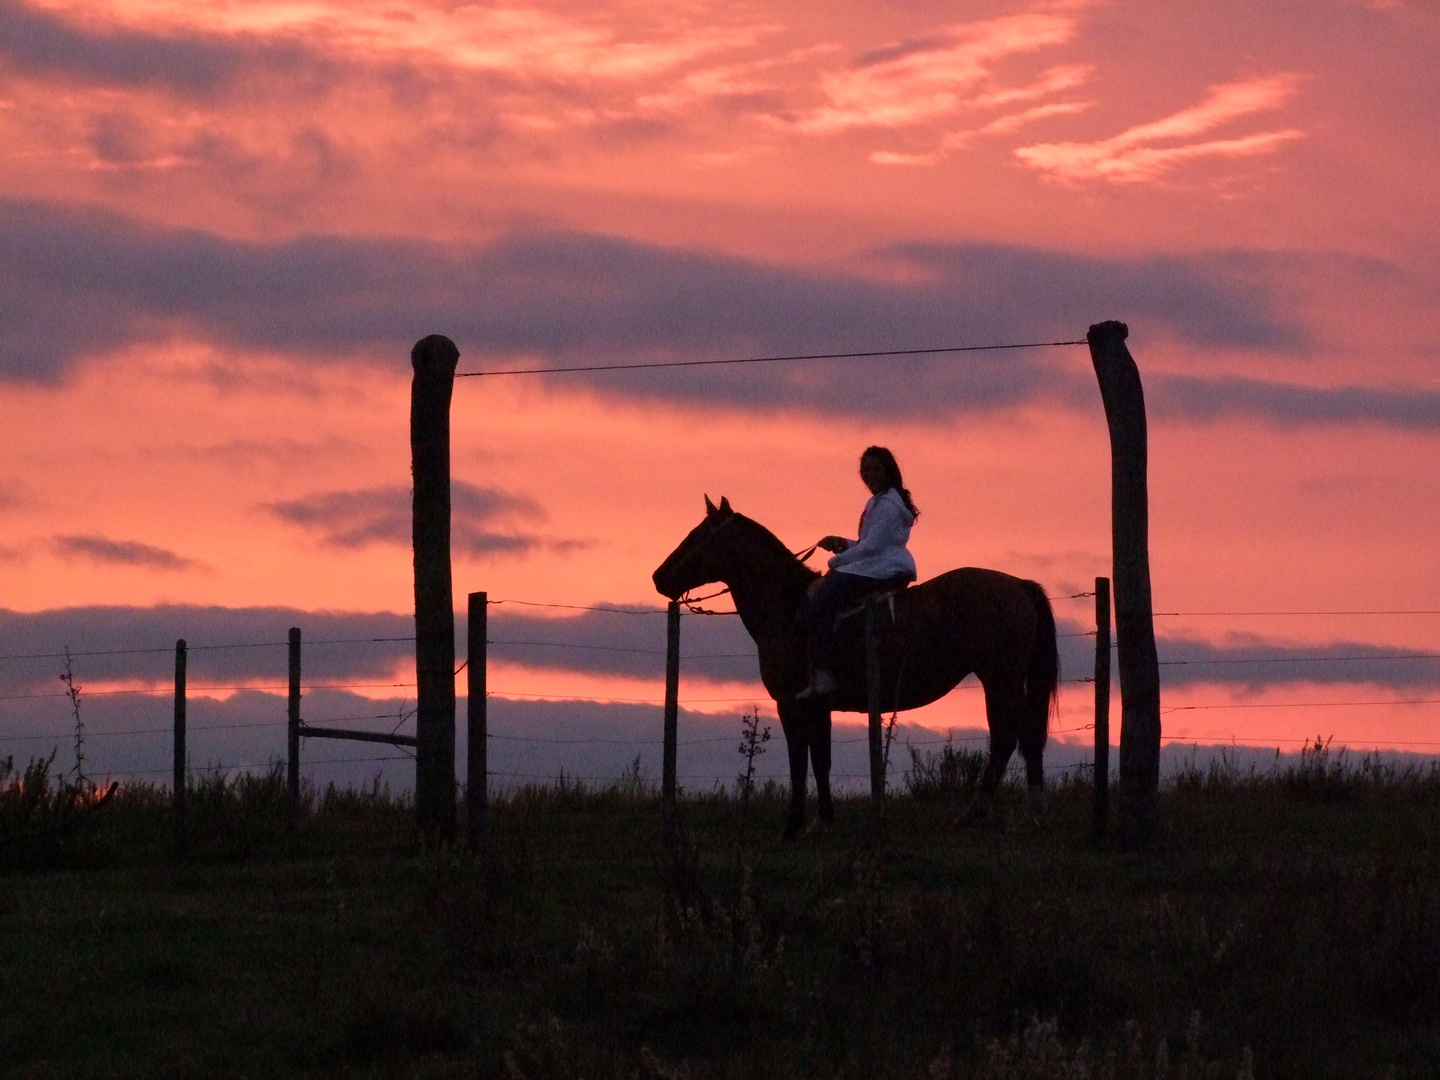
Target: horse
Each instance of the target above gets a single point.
(969, 620)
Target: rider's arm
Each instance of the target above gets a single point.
(884, 528)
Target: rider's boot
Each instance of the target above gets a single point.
(822, 684)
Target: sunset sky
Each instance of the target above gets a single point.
(222, 226)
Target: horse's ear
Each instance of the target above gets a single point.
(709, 506)
(725, 505)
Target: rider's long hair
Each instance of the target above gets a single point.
(892, 475)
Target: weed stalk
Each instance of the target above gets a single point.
(72, 691)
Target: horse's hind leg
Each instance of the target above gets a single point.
(819, 728)
(795, 722)
(1002, 709)
(1032, 749)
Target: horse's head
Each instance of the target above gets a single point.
(698, 559)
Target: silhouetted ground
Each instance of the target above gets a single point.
(1291, 920)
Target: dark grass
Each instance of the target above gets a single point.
(1290, 919)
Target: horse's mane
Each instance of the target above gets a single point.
(765, 539)
(764, 535)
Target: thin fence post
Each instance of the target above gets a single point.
(477, 771)
(672, 711)
(177, 797)
(433, 359)
(1102, 705)
(292, 774)
(873, 703)
(1124, 399)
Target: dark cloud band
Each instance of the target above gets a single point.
(111, 552)
(482, 518)
(196, 65)
(1213, 399)
(83, 282)
(349, 646)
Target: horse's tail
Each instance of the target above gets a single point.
(1042, 680)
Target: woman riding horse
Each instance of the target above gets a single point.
(997, 626)
(859, 567)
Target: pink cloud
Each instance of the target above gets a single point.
(916, 83)
(514, 39)
(959, 140)
(1132, 156)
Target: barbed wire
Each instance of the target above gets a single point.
(93, 734)
(1302, 659)
(583, 607)
(167, 649)
(868, 354)
(1299, 704)
(1297, 613)
(197, 689)
(1265, 742)
(221, 767)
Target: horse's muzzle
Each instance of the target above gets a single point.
(665, 586)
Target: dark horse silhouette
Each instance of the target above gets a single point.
(999, 627)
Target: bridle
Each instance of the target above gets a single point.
(686, 599)
(692, 603)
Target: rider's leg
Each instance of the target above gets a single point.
(837, 590)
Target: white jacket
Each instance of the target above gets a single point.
(884, 531)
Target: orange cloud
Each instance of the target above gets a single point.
(1132, 156)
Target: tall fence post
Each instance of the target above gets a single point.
(292, 773)
(177, 796)
(1124, 400)
(672, 712)
(873, 703)
(433, 359)
(477, 770)
(1102, 705)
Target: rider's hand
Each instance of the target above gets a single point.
(834, 544)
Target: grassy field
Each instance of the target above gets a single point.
(1283, 926)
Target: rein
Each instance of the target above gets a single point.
(692, 603)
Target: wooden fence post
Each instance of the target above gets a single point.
(1124, 400)
(177, 797)
(873, 703)
(433, 359)
(477, 771)
(672, 712)
(292, 774)
(1102, 705)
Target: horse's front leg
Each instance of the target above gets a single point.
(820, 762)
(797, 745)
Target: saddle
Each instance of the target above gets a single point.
(886, 589)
